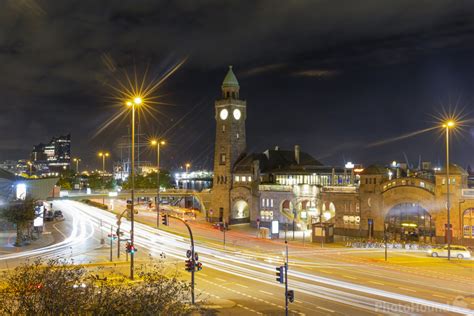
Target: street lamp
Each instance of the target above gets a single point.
(133, 103)
(77, 160)
(103, 155)
(188, 165)
(157, 143)
(448, 125)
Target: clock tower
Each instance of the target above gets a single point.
(230, 144)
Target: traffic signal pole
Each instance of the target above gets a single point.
(192, 254)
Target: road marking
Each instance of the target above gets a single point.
(62, 234)
(441, 296)
(299, 302)
(203, 274)
(348, 276)
(241, 285)
(324, 271)
(265, 292)
(325, 309)
(375, 282)
(219, 279)
(405, 289)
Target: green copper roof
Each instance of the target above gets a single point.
(230, 80)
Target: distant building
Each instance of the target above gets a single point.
(54, 156)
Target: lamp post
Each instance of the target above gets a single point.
(449, 124)
(134, 103)
(77, 160)
(188, 165)
(103, 155)
(157, 143)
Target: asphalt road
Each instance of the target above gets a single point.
(243, 283)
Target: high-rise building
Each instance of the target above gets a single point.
(53, 156)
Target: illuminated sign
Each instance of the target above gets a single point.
(21, 191)
(349, 165)
(111, 194)
(275, 227)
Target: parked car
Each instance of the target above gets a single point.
(48, 216)
(58, 214)
(459, 252)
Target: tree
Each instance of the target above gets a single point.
(57, 288)
(21, 213)
(149, 181)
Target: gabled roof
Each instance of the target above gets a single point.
(230, 79)
(374, 169)
(277, 161)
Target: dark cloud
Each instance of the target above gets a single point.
(388, 62)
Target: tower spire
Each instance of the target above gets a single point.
(230, 85)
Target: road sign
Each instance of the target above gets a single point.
(188, 253)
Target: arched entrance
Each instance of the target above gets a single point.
(240, 212)
(410, 222)
(468, 223)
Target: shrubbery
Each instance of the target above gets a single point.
(56, 288)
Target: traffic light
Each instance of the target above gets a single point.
(189, 265)
(199, 266)
(130, 249)
(280, 274)
(291, 296)
(164, 219)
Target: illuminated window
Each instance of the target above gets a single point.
(422, 184)
(237, 178)
(223, 128)
(222, 160)
(244, 178)
(271, 203)
(250, 179)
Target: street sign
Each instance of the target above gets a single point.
(188, 253)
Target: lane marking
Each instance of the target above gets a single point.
(405, 289)
(441, 296)
(265, 292)
(241, 285)
(325, 309)
(375, 282)
(219, 279)
(350, 277)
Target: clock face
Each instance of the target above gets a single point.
(237, 114)
(224, 114)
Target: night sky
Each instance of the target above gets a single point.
(331, 76)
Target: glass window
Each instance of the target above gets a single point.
(237, 178)
(244, 178)
(250, 179)
(468, 223)
(271, 203)
(222, 161)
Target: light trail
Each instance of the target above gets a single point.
(82, 230)
(330, 289)
(394, 139)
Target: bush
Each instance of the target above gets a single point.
(56, 288)
(96, 204)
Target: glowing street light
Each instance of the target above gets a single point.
(133, 104)
(103, 155)
(158, 143)
(77, 160)
(447, 126)
(188, 165)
